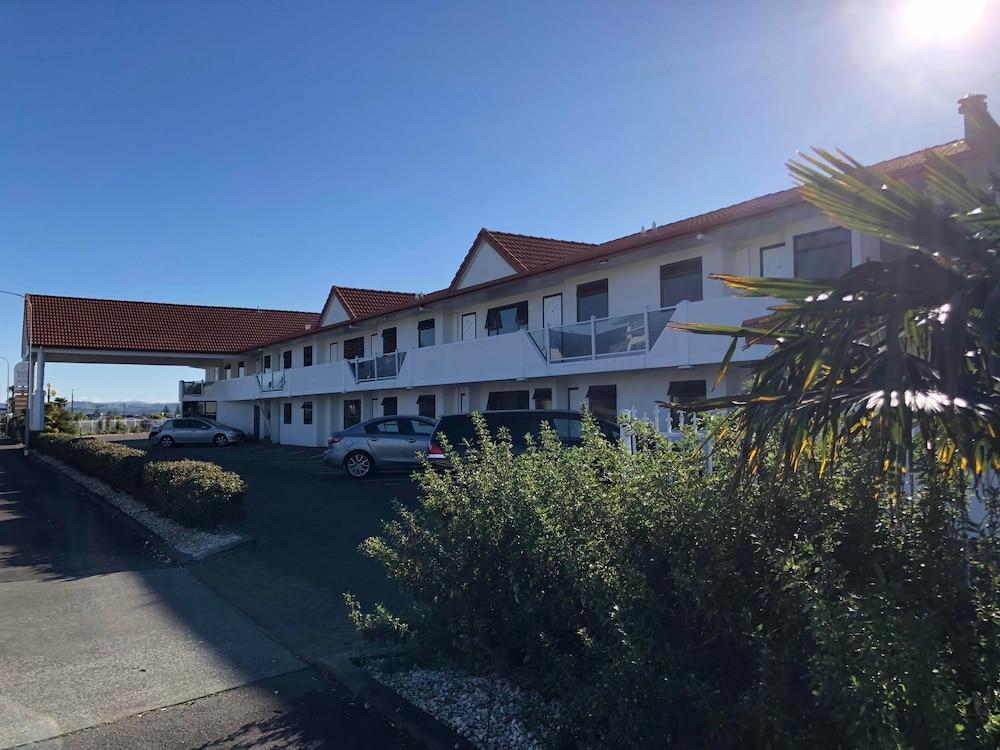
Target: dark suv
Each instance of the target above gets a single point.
(459, 428)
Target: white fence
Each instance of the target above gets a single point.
(116, 425)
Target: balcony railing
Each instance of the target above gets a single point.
(602, 337)
(271, 381)
(382, 367)
(192, 387)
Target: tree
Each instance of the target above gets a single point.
(58, 417)
(897, 352)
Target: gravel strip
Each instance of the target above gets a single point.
(489, 711)
(194, 543)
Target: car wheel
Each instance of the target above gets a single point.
(166, 441)
(221, 440)
(358, 464)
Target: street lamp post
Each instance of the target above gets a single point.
(27, 405)
(6, 391)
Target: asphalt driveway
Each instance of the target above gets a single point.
(307, 521)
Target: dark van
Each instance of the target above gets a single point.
(459, 428)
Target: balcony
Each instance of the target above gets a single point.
(381, 367)
(192, 387)
(602, 337)
(268, 382)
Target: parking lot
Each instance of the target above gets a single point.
(307, 521)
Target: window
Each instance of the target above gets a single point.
(825, 254)
(426, 405)
(684, 392)
(507, 319)
(307, 356)
(503, 400)
(603, 400)
(543, 398)
(421, 428)
(680, 281)
(389, 406)
(241, 369)
(388, 340)
(286, 413)
(307, 412)
(267, 363)
(385, 427)
(354, 348)
(352, 413)
(592, 300)
(286, 360)
(425, 333)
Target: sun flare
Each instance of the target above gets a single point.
(941, 20)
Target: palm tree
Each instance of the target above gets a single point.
(899, 351)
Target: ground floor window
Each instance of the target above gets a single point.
(684, 392)
(427, 405)
(603, 401)
(389, 406)
(503, 400)
(286, 413)
(307, 412)
(207, 409)
(352, 412)
(542, 398)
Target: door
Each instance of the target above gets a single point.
(463, 403)
(376, 345)
(391, 441)
(552, 310)
(352, 413)
(256, 422)
(468, 326)
(574, 398)
(334, 352)
(775, 263)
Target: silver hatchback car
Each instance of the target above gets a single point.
(380, 443)
(194, 430)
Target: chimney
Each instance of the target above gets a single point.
(972, 107)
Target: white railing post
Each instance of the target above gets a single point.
(593, 337)
(375, 359)
(645, 322)
(548, 343)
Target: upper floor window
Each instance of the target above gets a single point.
(267, 362)
(592, 300)
(307, 412)
(354, 348)
(425, 332)
(680, 281)
(825, 254)
(507, 319)
(307, 356)
(388, 340)
(286, 360)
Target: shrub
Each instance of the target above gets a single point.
(662, 606)
(193, 493)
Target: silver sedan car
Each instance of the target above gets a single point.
(194, 430)
(381, 443)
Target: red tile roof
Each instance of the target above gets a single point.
(524, 252)
(361, 303)
(84, 323)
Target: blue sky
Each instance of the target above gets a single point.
(254, 153)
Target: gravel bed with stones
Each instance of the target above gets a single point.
(488, 710)
(194, 543)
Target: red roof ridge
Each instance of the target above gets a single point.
(495, 232)
(32, 295)
(368, 289)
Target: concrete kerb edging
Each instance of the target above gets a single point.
(414, 721)
(161, 544)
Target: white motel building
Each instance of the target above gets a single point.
(525, 322)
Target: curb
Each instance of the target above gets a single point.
(175, 555)
(415, 722)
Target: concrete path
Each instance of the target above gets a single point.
(96, 630)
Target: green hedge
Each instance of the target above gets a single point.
(662, 605)
(193, 493)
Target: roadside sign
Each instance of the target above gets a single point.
(21, 370)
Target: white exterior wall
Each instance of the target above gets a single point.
(485, 265)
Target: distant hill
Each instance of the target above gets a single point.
(131, 408)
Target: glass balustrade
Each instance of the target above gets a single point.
(604, 337)
(271, 381)
(377, 368)
(618, 336)
(658, 321)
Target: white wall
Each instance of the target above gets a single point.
(486, 264)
